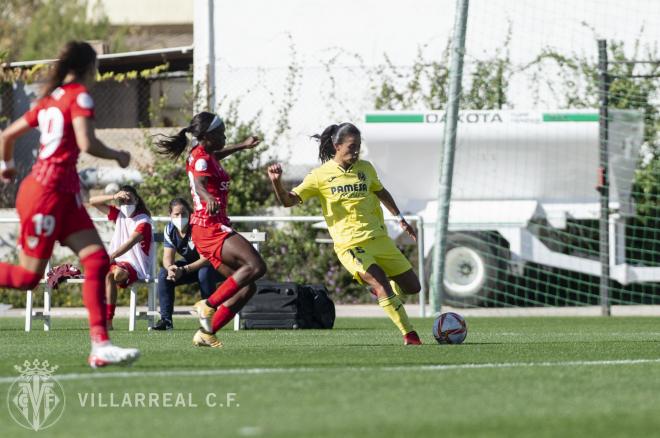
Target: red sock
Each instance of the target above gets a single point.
(95, 266)
(17, 277)
(225, 291)
(221, 317)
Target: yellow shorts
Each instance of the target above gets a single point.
(380, 251)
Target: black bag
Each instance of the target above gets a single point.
(287, 305)
(322, 308)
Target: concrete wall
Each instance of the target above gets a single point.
(148, 12)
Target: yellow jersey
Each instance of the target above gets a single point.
(350, 207)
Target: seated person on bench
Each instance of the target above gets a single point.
(190, 269)
(132, 247)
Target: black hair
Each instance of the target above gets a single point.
(332, 135)
(182, 202)
(141, 206)
(77, 57)
(173, 146)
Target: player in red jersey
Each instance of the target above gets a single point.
(230, 253)
(48, 202)
(131, 247)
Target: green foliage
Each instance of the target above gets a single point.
(579, 83)
(293, 254)
(15, 18)
(165, 179)
(58, 21)
(250, 190)
(250, 187)
(290, 97)
(147, 73)
(426, 84)
(43, 26)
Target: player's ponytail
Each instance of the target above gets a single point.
(173, 146)
(332, 135)
(326, 148)
(76, 57)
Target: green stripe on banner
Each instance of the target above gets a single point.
(570, 117)
(394, 118)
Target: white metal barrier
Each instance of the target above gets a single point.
(417, 220)
(255, 237)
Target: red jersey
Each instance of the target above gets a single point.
(58, 154)
(201, 163)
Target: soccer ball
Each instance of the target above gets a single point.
(449, 328)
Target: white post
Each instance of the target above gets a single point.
(151, 305)
(604, 180)
(237, 318)
(204, 56)
(28, 311)
(421, 269)
(617, 240)
(447, 156)
(132, 310)
(46, 315)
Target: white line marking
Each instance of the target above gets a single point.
(248, 371)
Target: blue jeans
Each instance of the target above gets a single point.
(207, 277)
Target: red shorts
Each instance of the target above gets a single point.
(209, 241)
(47, 216)
(132, 274)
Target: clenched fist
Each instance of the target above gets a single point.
(275, 172)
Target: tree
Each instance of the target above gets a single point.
(250, 190)
(37, 29)
(426, 84)
(15, 16)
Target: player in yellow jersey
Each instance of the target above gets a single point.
(350, 194)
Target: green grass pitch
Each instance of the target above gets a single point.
(541, 377)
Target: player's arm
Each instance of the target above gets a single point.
(135, 238)
(249, 143)
(195, 266)
(103, 202)
(287, 199)
(83, 128)
(212, 204)
(387, 200)
(169, 255)
(7, 140)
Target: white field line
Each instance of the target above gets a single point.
(252, 371)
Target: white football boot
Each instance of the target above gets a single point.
(108, 354)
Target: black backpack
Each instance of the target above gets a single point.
(286, 305)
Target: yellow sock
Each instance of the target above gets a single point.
(398, 291)
(394, 309)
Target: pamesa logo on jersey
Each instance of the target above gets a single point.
(36, 400)
(349, 189)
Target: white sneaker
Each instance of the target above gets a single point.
(108, 354)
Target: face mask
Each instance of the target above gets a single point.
(127, 209)
(180, 223)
